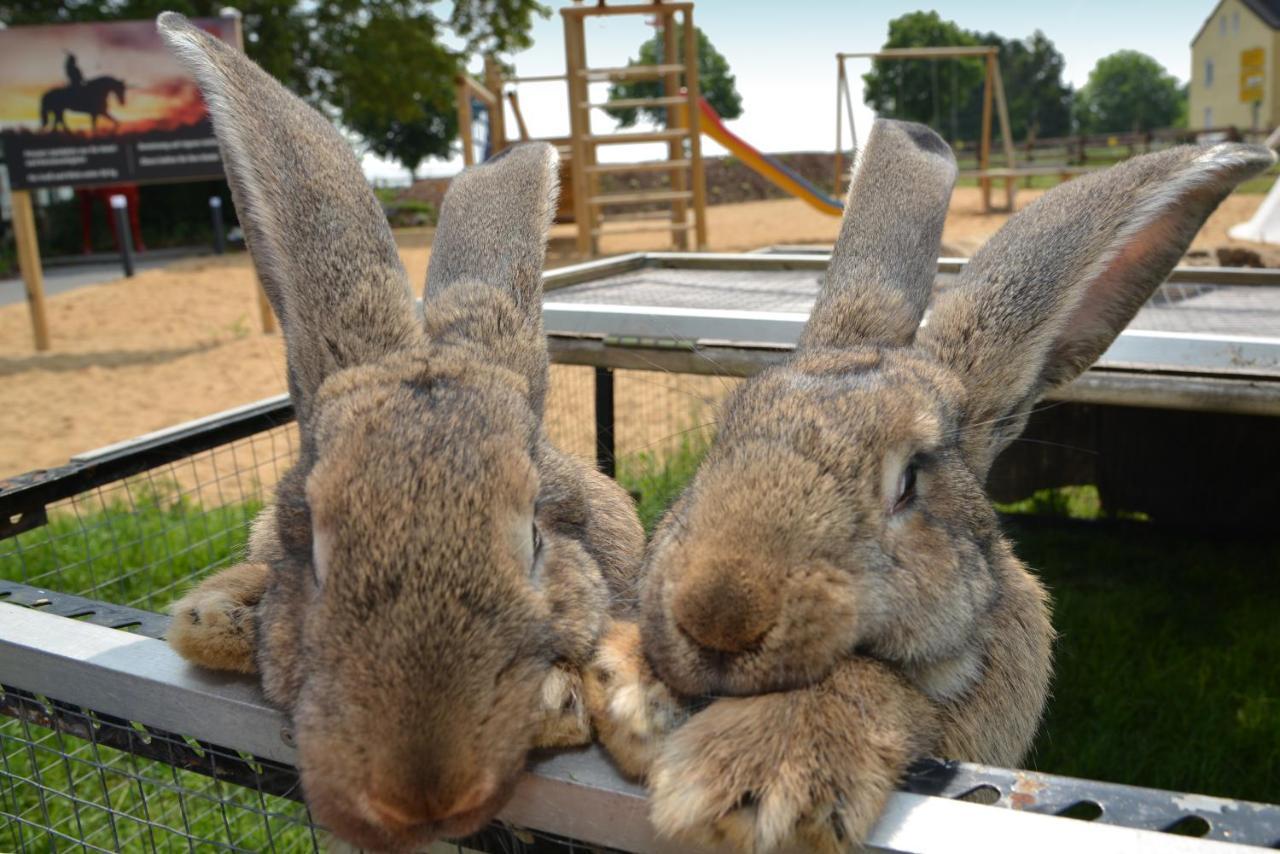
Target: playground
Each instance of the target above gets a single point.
(170, 345)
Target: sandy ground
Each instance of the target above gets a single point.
(184, 341)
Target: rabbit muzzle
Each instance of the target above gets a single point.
(393, 813)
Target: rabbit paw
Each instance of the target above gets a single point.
(565, 722)
(632, 710)
(810, 768)
(214, 626)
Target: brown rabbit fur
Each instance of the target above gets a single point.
(433, 575)
(834, 584)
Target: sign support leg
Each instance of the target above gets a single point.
(24, 229)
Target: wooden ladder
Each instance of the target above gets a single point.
(683, 165)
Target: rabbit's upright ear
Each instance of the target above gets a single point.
(319, 238)
(1052, 289)
(484, 280)
(884, 264)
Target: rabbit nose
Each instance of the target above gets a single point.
(397, 812)
(725, 612)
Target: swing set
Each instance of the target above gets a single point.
(992, 94)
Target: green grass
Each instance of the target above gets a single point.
(1166, 672)
(1167, 669)
(657, 480)
(142, 547)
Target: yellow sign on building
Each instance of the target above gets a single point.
(1253, 74)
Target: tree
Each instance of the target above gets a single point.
(934, 92)
(714, 80)
(1129, 91)
(947, 93)
(381, 68)
(1039, 100)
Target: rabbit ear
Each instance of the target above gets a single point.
(884, 264)
(319, 238)
(484, 280)
(494, 223)
(1052, 289)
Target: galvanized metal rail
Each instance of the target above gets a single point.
(54, 661)
(711, 313)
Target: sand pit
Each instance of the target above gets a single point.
(176, 343)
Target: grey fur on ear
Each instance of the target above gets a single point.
(484, 280)
(494, 223)
(1052, 289)
(319, 239)
(885, 260)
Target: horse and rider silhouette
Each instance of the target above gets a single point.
(80, 96)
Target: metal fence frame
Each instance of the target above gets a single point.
(577, 795)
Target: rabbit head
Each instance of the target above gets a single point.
(841, 507)
(429, 573)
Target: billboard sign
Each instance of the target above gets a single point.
(102, 103)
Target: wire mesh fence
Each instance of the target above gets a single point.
(75, 780)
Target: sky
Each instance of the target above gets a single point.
(783, 55)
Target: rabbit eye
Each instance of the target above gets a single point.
(906, 486)
(537, 544)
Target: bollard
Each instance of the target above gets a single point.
(119, 209)
(219, 233)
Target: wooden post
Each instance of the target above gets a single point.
(497, 111)
(464, 121)
(675, 119)
(515, 109)
(264, 308)
(698, 177)
(984, 146)
(1006, 130)
(580, 126)
(839, 159)
(24, 230)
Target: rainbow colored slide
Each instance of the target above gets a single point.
(775, 172)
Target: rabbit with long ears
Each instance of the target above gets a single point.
(432, 576)
(834, 584)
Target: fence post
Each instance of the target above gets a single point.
(120, 210)
(605, 459)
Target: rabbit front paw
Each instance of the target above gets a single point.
(632, 710)
(214, 625)
(810, 769)
(565, 722)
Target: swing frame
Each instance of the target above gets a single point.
(992, 95)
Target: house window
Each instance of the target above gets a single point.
(1222, 25)
(1208, 117)
(1208, 72)
(1235, 22)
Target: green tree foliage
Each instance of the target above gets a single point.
(946, 94)
(382, 68)
(934, 92)
(714, 80)
(1129, 91)
(1039, 100)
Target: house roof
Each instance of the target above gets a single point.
(1268, 11)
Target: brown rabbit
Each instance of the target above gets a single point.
(835, 564)
(433, 574)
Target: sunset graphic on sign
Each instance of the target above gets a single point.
(156, 95)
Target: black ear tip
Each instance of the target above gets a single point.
(926, 139)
